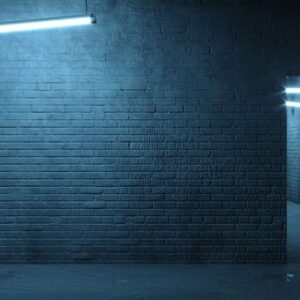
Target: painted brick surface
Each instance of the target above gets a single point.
(293, 139)
(156, 135)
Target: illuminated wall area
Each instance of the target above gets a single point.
(157, 134)
(293, 137)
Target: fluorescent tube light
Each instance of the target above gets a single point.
(292, 90)
(47, 23)
(292, 104)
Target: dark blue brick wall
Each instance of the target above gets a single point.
(156, 135)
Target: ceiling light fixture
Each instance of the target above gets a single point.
(292, 90)
(48, 23)
(292, 104)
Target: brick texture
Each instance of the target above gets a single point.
(293, 162)
(156, 135)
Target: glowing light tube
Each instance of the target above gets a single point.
(292, 90)
(292, 104)
(46, 23)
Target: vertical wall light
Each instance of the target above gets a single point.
(293, 91)
(48, 23)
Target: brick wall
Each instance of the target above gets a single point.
(293, 138)
(156, 135)
(293, 142)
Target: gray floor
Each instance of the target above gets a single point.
(184, 282)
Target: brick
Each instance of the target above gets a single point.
(155, 138)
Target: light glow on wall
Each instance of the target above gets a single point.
(47, 23)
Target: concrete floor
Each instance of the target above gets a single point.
(166, 282)
(176, 282)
